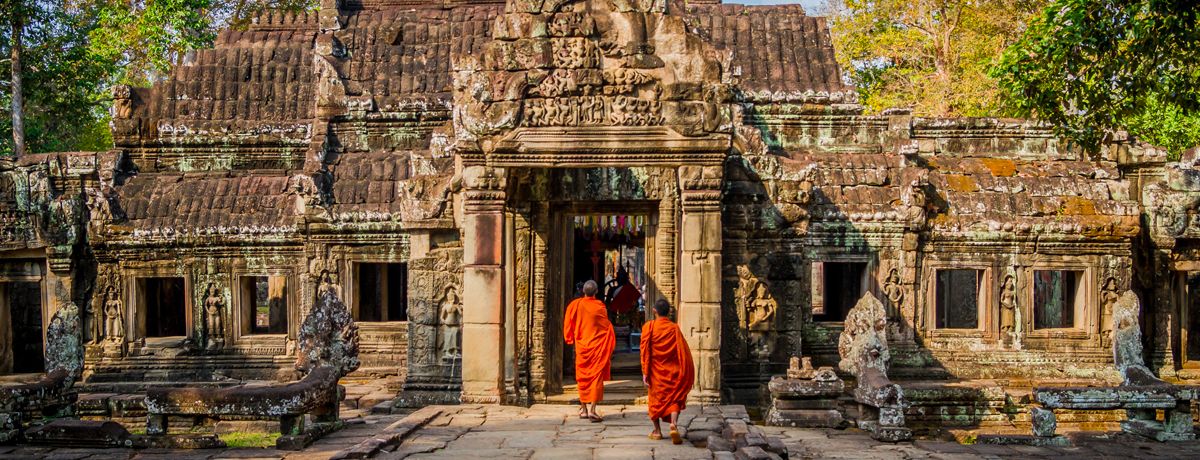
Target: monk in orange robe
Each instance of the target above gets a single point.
(667, 370)
(587, 327)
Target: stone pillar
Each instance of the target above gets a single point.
(483, 285)
(699, 270)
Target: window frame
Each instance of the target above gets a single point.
(135, 307)
(245, 325)
(237, 323)
(981, 298)
(987, 324)
(355, 299)
(1086, 311)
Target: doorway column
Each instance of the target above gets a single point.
(700, 275)
(483, 285)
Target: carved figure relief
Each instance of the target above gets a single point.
(759, 319)
(307, 196)
(1010, 313)
(114, 325)
(914, 198)
(450, 320)
(214, 306)
(894, 291)
(1108, 297)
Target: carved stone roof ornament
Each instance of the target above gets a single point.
(328, 336)
(1127, 342)
(588, 82)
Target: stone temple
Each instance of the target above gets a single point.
(454, 168)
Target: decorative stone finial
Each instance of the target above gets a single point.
(1127, 342)
(863, 342)
(328, 336)
(64, 343)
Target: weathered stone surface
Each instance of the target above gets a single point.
(864, 351)
(328, 336)
(307, 144)
(1043, 421)
(80, 433)
(1141, 394)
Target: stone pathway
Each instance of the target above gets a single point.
(556, 432)
(856, 444)
(355, 432)
(538, 433)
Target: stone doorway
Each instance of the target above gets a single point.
(1187, 289)
(163, 304)
(21, 340)
(612, 243)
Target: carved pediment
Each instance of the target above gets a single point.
(591, 77)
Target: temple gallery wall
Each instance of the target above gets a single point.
(432, 164)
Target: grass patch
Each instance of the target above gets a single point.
(238, 439)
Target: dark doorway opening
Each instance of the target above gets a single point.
(839, 286)
(163, 302)
(382, 293)
(611, 250)
(24, 301)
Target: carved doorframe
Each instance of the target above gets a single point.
(557, 263)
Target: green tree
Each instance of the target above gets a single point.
(73, 51)
(1093, 66)
(147, 38)
(930, 55)
(62, 106)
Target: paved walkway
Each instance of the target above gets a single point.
(857, 445)
(539, 433)
(555, 432)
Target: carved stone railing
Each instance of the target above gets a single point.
(328, 351)
(1141, 394)
(52, 395)
(864, 353)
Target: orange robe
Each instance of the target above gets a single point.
(667, 364)
(587, 327)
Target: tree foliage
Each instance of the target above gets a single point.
(930, 55)
(145, 39)
(63, 110)
(75, 50)
(1093, 66)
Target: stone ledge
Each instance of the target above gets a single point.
(391, 436)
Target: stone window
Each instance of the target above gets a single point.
(164, 306)
(21, 344)
(382, 292)
(958, 298)
(1191, 318)
(1056, 293)
(264, 304)
(837, 286)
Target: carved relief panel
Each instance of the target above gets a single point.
(435, 317)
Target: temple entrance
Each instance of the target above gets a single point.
(1187, 288)
(21, 339)
(164, 305)
(610, 246)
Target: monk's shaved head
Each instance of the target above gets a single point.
(662, 308)
(589, 288)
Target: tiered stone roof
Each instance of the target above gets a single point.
(207, 203)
